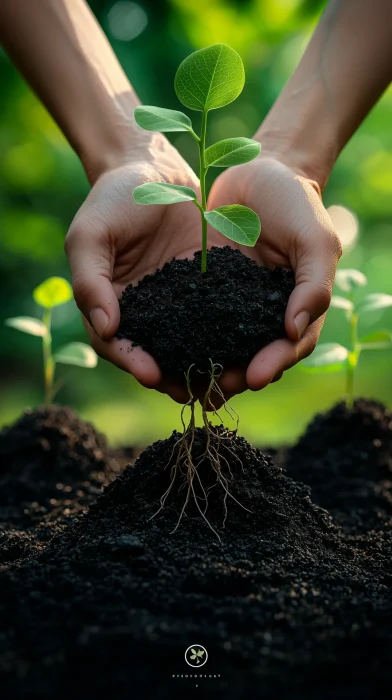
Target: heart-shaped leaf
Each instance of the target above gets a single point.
(78, 354)
(159, 119)
(210, 78)
(236, 222)
(163, 193)
(374, 302)
(224, 154)
(327, 357)
(377, 340)
(341, 303)
(27, 324)
(348, 280)
(53, 292)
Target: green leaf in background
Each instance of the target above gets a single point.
(27, 324)
(53, 292)
(231, 152)
(341, 303)
(348, 280)
(159, 119)
(374, 302)
(327, 357)
(376, 340)
(78, 354)
(163, 193)
(236, 222)
(210, 78)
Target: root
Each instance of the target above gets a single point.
(184, 463)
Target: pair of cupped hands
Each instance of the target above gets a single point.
(114, 242)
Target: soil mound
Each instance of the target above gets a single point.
(52, 466)
(282, 604)
(183, 317)
(345, 456)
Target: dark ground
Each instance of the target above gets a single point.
(243, 302)
(291, 602)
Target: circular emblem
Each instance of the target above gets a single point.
(196, 655)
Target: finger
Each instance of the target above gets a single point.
(315, 265)
(131, 359)
(281, 355)
(91, 260)
(233, 381)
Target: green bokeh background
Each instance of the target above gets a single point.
(42, 185)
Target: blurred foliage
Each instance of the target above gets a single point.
(42, 185)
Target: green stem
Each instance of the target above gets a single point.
(48, 357)
(352, 360)
(202, 177)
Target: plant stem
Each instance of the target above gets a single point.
(202, 177)
(48, 357)
(352, 360)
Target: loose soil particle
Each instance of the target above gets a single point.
(286, 604)
(183, 317)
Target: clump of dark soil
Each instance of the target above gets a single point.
(183, 317)
(52, 466)
(345, 456)
(284, 604)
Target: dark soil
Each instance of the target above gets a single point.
(345, 456)
(52, 466)
(183, 317)
(287, 604)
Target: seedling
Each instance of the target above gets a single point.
(207, 79)
(51, 293)
(332, 357)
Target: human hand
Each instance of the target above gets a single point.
(113, 242)
(296, 233)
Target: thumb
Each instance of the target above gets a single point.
(90, 258)
(316, 261)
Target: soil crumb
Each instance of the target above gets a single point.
(183, 317)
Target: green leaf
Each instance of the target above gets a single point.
(231, 152)
(53, 292)
(78, 354)
(236, 222)
(210, 78)
(194, 651)
(376, 340)
(163, 193)
(374, 302)
(27, 324)
(348, 280)
(193, 656)
(341, 303)
(159, 119)
(200, 652)
(327, 357)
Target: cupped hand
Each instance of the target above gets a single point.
(296, 233)
(113, 242)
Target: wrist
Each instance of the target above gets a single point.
(310, 156)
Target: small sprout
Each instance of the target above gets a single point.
(332, 357)
(53, 292)
(207, 79)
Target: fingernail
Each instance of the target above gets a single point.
(301, 322)
(99, 320)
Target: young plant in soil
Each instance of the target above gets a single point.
(53, 292)
(333, 357)
(220, 308)
(207, 79)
